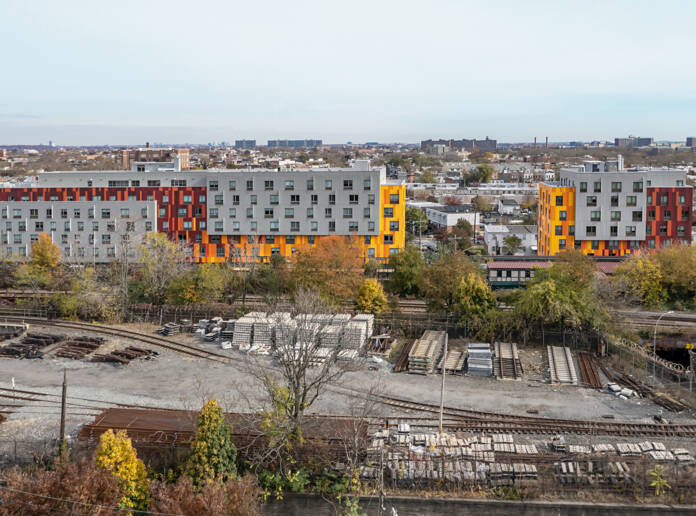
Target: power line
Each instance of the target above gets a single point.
(87, 504)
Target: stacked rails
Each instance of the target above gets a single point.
(79, 347)
(30, 346)
(588, 370)
(507, 365)
(124, 356)
(453, 363)
(426, 351)
(561, 365)
(480, 359)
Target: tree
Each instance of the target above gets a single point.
(89, 298)
(213, 453)
(481, 205)
(416, 220)
(45, 255)
(161, 261)
(452, 200)
(40, 491)
(371, 298)
(677, 266)
(116, 454)
(427, 177)
(238, 496)
(644, 280)
(659, 482)
(485, 173)
(473, 298)
(512, 244)
(333, 267)
(439, 281)
(406, 267)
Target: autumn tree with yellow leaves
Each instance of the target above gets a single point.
(371, 298)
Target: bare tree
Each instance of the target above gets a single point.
(161, 260)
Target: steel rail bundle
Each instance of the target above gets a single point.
(588, 370)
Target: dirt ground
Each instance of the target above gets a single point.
(175, 381)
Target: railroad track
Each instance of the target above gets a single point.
(474, 420)
(588, 370)
(151, 340)
(507, 363)
(561, 365)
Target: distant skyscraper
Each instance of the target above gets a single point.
(245, 144)
(691, 141)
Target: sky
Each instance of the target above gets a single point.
(126, 72)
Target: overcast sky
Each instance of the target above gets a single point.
(126, 72)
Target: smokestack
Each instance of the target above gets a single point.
(147, 145)
(535, 142)
(547, 142)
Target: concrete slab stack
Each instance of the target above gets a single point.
(426, 351)
(479, 359)
(368, 320)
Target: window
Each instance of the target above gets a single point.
(616, 186)
(315, 199)
(268, 213)
(651, 243)
(328, 184)
(289, 213)
(233, 213)
(388, 212)
(371, 225)
(394, 225)
(371, 198)
(275, 251)
(274, 225)
(559, 200)
(630, 231)
(17, 238)
(38, 226)
(388, 239)
(614, 201)
(681, 230)
(685, 213)
(615, 215)
(235, 200)
(682, 199)
(295, 199)
(213, 213)
(219, 200)
(595, 245)
(118, 184)
(353, 226)
(367, 184)
(347, 213)
(105, 213)
(250, 185)
(366, 213)
(651, 214)
(637, 186)
(571, 230)
(328, 213)
(332, 198)
(614, 231)
(33, 213)
(561, 244)
(63, 214)
(368, 240)
(663, 229)
(558, 230)
(289, 184)
(148, 226)
(16, 214)
(235, 225)
(274, 199)
(613, 244)
(680, 182)
(22, 225)
(253, 199)
(347, 184)
(125, 213)
(314, 225)
(591, 200)
(332, 225)
(188, 225)
(596, 215)
(563, 215)
(253, 226)
(268, 185)
(295, 225)
(664, 199)
(597, 186)
(310, 185)
(668, 215)
(250, 213)
(633, 244)
(631, 200)
(233, 185)
(353, 199)
(178, 182)
(219, 224)
(213, 185)
(310, 213)
(106, 238)
(188, 199)
(290, 239)
(637, 216)
(591, 230)
(180, 212)
(583, 186)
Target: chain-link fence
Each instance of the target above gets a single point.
(23, 452)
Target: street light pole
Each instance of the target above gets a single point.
(655, 341)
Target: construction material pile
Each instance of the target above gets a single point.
(169, 329)
(11, 331)
(479, 359)
(79, 347)
(30, 346)
(507, 364)
(561, 365)
(124, 356)
(426, 351)
(453, 363)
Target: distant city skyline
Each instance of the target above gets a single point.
(393, 71)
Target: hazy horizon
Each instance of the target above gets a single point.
(131, 72)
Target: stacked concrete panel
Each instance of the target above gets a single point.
(426, 351)
(479, 359)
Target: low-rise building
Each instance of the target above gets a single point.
(507, 206)
(448, 216)
(494, 236)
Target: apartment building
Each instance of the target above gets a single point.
(245, 144)
(607, 210)
(178, 158)
(294, 144)
(219, 215)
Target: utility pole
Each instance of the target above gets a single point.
(63, 402)
(380, 505)
(455, 238)
(442, 390)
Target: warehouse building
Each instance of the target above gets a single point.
(219, 215)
